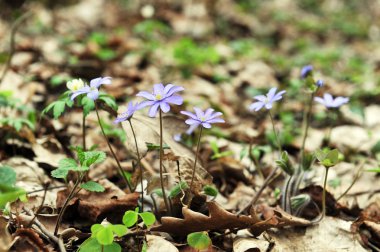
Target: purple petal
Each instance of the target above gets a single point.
(146, 95)
(268, 105)
(93, 95)
(206, 125)
(278, 96)
(173, 89)
(192, 121)
(198, 112)
(83, 90)
(216, 114)
(256, 106)
(158, 89)
(339, 101)
(120, 119)
(328, 98)
(319, 100)
(216, 120)
(261, 98)
(192, 128)
(145, 104)
(271, 93)
(189, 114)
(165, 107)
(153, 110)
(97, 82)
(175, 99)
(306, 70)
(208, 112)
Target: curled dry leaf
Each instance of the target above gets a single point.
(27, 239)
(220, 219)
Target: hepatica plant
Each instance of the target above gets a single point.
(160, 100)
(203, 119)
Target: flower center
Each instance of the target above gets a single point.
(158, 96)
(203, 119)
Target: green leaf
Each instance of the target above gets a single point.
(92, 186)
(320, 155)
(130, 218)
(10, 194)
(333, 156)
(105, 236)
(95, 229)
(119, 230)
(199, 240)
(148, 218)
(88, 105)
(88, 158)
(90, 245)
(177, 189)
(7, 175)
(59, 173)
(210, 190)
(67, 164)
(113, 247)
(374, 170)
(109, 100)
(58, 108)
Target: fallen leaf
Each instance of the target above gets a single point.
(94, 207)
(331, 234)
(250, 244)
(5, 236)
(159, 244)
(220, 219)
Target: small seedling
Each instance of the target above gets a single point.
(102, 238)
(199, 240)
(130, 218)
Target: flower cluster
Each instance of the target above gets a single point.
(78, 87)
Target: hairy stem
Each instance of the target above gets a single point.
(112, 152)
(71, 195)
(324, 194)
(307, 126)
(161, 159)
(84, 131)
(275, 133)
(260, 191)
(139, 165)
(196, 159)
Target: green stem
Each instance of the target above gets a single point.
(139, 165)
(71, 195)
(324, 194)
(84, 131)
(161, 159)
(357, 176)
(112, 152)
(275, 133)
(196, 159)
(307, 126)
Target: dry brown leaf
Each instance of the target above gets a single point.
(220, 219)
(330, 235)
(95, 206)
(159, 244)
(5, 236)
(27, 239)
(250, 244)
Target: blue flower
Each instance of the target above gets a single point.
(329, 102)
(203, 118)
(306, 71)
(92, 91)
(267, 100)
(161, 97)
(131, 109)
(319, 83)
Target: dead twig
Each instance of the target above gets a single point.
(14, 29)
